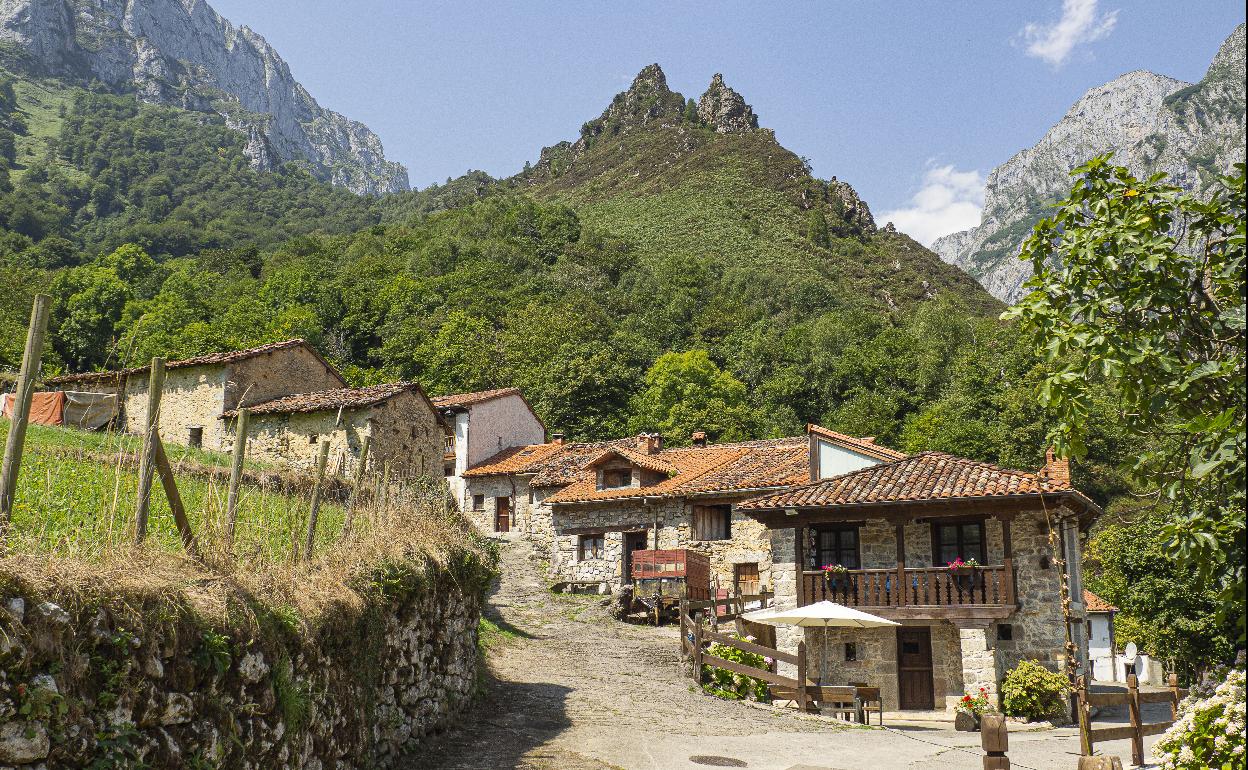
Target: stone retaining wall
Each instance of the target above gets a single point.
(129, 681)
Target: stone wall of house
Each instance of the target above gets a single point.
(403, 430)
(130, 681)
(491, 488)
(193, 397)
(277, 373)
(565, 561)
(748, 543)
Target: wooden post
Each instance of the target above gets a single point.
(1133, 711)
(697, 648)
(355, 486)
(322, 458)
(1173, 681)
(32, 360)
(803, 700)
(175, 499)
(236, 475)
(684, 641)
(1085, 726)
(994, 737)
(900, 593)
(147, 463)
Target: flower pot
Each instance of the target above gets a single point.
(962, 571)
(965, 722)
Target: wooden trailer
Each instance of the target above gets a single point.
(662, 578)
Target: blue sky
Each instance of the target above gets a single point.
(902, 99)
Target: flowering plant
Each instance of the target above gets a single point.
(834, 569)
(730, 685)
(975, 704)
(1210, 729)
(959, 564)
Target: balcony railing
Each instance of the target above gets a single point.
(922, 587)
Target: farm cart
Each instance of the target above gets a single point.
(662, 578)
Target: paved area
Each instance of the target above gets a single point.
(576, 690)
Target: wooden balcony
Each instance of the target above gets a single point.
(922, 593)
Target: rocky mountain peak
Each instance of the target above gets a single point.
(648, 100)
(724, 109)
(182, 53)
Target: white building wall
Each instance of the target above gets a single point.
(498, 424)
(834, 460)
(1100, 645)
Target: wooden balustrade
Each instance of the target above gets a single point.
(920, 587)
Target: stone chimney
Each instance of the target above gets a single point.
(1055, 470)
(650, 443)
(699, 438)
(556, 438)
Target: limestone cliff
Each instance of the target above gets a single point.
(1151, 122)
(183, 53)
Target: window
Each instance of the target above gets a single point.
(478, 502)
(837, 545)
(963, 540)
(313, 438)
(1005, 632)
(196, 439)
(590, 547)
(712, 522)
(614, 478)
(851, 651)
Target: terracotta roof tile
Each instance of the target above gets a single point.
(460, 400)
(1094, 603)
(689, 464)
(866, 446)
(208, 359)
(926, 476)
(651, 462)
(516, 459)
(341, 398)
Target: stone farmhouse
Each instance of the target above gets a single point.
(199, 390)
(404, 430)
(589, 506)
(881, 538)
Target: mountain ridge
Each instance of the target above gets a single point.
(1151, 122)
(182, 53)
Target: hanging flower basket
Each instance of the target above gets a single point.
(959, 567)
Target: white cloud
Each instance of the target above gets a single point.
(1080, 23)
(949, 201)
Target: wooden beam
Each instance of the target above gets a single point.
(322, 457)
(603, 530)
(32, 360)
(170, 485)
(151, 437)
(236, 475)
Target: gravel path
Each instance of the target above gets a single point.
(577, 690)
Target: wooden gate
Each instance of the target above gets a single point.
(1137, 729)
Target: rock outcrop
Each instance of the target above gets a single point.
(724, 109)
(183, 53)
(1150, 122)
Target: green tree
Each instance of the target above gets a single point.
(684, 392)
(1141, 286)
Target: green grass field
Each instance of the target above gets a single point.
(41, 107)
(77, 494)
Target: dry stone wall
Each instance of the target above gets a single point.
(128, 681)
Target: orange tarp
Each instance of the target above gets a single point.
(45, 408)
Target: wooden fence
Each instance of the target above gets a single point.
(1137, 729)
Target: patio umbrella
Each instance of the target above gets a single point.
(823, 615)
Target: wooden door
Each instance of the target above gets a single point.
(914, 669)
(502, 514)
(745, 578)
(633, 541)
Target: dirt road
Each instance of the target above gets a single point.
(576, 690)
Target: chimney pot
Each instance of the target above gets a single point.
(1055, 469)
(650, 442)
(699, 438)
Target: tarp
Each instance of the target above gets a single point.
(45, 408)
(85, 411)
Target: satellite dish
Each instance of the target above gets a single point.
(1131, 651)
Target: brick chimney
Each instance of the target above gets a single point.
(699, 438)
(650, 442)
(556, 438)
(1055, 470)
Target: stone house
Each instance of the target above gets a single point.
(404, 429)
(477, 426)
(588, 506)
(199, 390)
(888, 532)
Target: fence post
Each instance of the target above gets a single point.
(1133, 710)
(1173, 681)
(175, 499)
(322, 458)
(32, 359)
(1085, 728)
(994, 737)
(236, 475)
(155, 386)
(803, 702)
(697, 648)
(355, 487)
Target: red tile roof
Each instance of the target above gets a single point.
(688, 465)
(651, 462)
(552, 464)
(516, 459)
(1094, 603)
(462, 400)
(866, 446)
(209, 359)
(341, 398)
(926, 476)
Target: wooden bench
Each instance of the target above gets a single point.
(843, 701)
(868, 701)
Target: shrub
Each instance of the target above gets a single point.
(731, 686)
(1032, 691)
(1210, 730)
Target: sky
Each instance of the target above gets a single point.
(912, 103)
